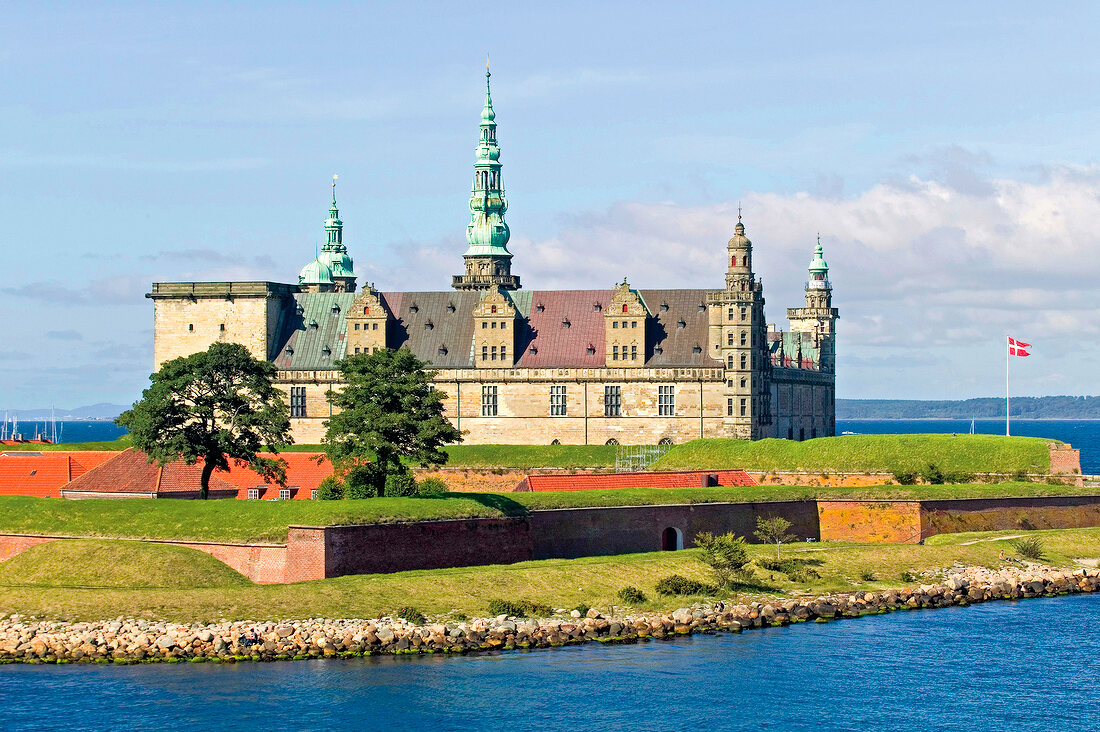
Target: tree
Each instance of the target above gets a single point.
(388, 413)
(773, 531)
(217, 405)
(726, 555)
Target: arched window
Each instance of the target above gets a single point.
(744, 338)
(743, 360)
(612, 441)
(729, 338)
(664, 441)
(729, 362)
(555, 442)
(624, 308)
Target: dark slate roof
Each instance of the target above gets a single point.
(784, 346)
(426, 322)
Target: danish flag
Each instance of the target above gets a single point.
(1017, 348)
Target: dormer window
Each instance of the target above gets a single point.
(532, 350)
(657, 350)
(326, 351)
(429, 325)
(539, 308)
(335, 308)
(664, 307)
(702, 308)
(596, 307)
(680, 325)
(313, 325)
(288, 351)
(591, 350)
(450, 307)
(696, 349)
(442, 351)
(299, 309)
(414, 309)
(565, 323)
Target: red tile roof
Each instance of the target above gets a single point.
(33, 474)
(303, 475)
(606, 481)
(130, 472)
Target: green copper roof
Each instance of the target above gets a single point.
(817, 264)
(314, 333)
(487, 233)
(315, 273)
(333, 260)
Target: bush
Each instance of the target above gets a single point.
(868, 576)
(364, 481)
(907, 576)
(330, 489)
(1029, 548)
(932, 475)
(518, 608)
(958, 477)
(796, 570)
(725, 555)
(411, 614)
(400, 484)
(905, 478)
(632, 595)
(678, 585)
(431, 488)
(582, 609)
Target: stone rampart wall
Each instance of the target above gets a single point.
(870, 521)
(998, 514)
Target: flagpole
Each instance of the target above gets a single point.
(1007, 411)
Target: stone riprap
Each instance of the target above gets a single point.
(132, 641)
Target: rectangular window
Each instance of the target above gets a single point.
(729, 338)
(253, 494)
(744, 313)
(744, 407)
(488, 401)
(612, 401)
(503, 326)
(729, 407)
(493, 353)
(284, 494)
(624, 323)
(557, 401)
(730, 314)
(313, 494)
(484, 324)
(744, 338)
(666, 401)
(614, 353)
(297, 401)
(357, 326)
(357, 349)
(484, 353)
(504, 353)
(615, 324)
(494, 325)
(374, 326)
(633, 353)
(633, 323)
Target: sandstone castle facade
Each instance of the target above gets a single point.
(622, 365)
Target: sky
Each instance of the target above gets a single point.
(947, 154)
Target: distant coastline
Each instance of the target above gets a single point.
(1047, 407)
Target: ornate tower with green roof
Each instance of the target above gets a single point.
(488, 261)
(819, 316)
(333, 269)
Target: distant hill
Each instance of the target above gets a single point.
(94, 411)
(1050, 407)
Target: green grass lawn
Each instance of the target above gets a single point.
(966, 454)
(267, 521)
(44, 585)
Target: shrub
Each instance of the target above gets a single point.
(1029, 548)
(907, 576)
(676, 584)
(582, 609)
(400, 484)
(431, 488)
(518, 608)
(725, 555)
(958, 477)
(330, 489)
(903, 478)
(364, 481)
(868, 576)
(632, 595)
(793, 568)
(410, 614)
(932, 474)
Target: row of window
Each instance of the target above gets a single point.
(744, 338)
(284, 493)
(374, 326)
(493, 324)
(744, 312)
(489, 353)
(612, 401)
(632, 356)
(615, 323)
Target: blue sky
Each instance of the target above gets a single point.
(946, 153)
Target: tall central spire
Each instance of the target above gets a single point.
(488, 261)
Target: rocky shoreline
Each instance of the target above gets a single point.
(142, 641)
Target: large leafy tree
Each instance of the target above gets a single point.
(387, 413)
(217, 405)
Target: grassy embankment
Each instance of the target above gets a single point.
(961, 454)
(267, 521)
(161, 582)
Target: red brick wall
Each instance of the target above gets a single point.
(305, 553)
(870, 521)
(1053, 512)
(608, 481)
(1065, 460)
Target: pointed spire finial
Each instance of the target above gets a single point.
(738, 210)
(487, 74)
(334, 177)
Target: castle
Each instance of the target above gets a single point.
(612, 366)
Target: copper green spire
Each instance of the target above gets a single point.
(332, 270)
(487, 233)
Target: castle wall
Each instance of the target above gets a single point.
(803, 404)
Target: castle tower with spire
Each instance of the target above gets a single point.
(488, 261)
(332, 270)
(818, 318)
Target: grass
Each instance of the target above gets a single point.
(121, 443)
(561, 583)
(267, 521)
(101, 564)
(866, 454)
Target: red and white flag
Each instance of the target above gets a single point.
(1018, 348)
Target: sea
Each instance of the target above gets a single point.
(1083, 434)
(1023, 665)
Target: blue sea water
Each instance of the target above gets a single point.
(1026, 665)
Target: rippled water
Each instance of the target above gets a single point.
(1033, 664)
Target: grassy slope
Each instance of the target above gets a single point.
(267, 521)
(120, 444)
(593, 581)
(116, 564)
(866, 454)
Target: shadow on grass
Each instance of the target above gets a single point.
(495, 501)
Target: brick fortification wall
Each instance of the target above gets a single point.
(1064, 460)
(870, 521)
(583, 532)
(991, 514)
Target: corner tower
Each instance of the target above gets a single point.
(819, 316)
(488, 261)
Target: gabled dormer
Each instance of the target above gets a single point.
(367, 321)
(625, 326)
(494, 331)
